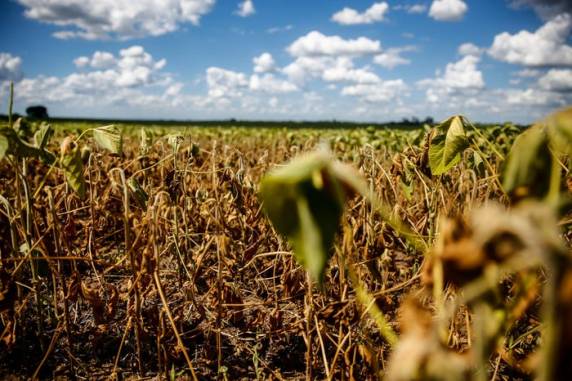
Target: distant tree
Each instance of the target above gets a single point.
(37, 112)
(429, 120)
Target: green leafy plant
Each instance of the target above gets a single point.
(448, 144)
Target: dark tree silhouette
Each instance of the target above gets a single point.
(37, 112)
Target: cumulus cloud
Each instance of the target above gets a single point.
(411, 8)
(546, 9)
(469, 49)
(417, 8)
(391, 58)
(99, 60)
(461, 77)
(342, 70)
(317, 44)
(246, 8)
(132, 77)
(328, 69)
(383, 92)
(268, 83)
(349, 16)
(264, 63)
(547, 46)
(448, 10)
(528, 73)
(556, 80)
(121, 19)
(10, 67)
(533, 98)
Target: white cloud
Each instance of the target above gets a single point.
(448, 10)
(556, 80)
(391, 58)
(349, 16)
(278, 29)
(469, 49)
(417, 8)
(343, 71)
(546, 9)
(270, 84)
(534, 98)
(264, 63)
(99, 60)
(121, 19)
(461, 77)
(246, 8)
(528, 73)
(10, 67)
(317, 44)
(545, 47)
(383, 92)
(328, 69)
(225, 83)
(133, 77)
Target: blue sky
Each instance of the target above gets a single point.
(492, 60)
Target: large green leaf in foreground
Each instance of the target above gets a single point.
(446, 147)
(305, 200)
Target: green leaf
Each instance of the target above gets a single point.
(43, 135)
(447, 145)
(527, 169)
(11, 144)
(138, 193)
(305, 200)
(109, 138)
(72, 165)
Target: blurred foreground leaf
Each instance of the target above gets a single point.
(305, 200)
(527, 169)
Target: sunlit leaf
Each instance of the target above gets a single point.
(447, 145)
(527, 169)
(109, 138)
(43, 135)
(305, 200)
(72, 166)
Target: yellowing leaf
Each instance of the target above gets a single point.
(72, 165)
(446, 147)
(109, 138)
